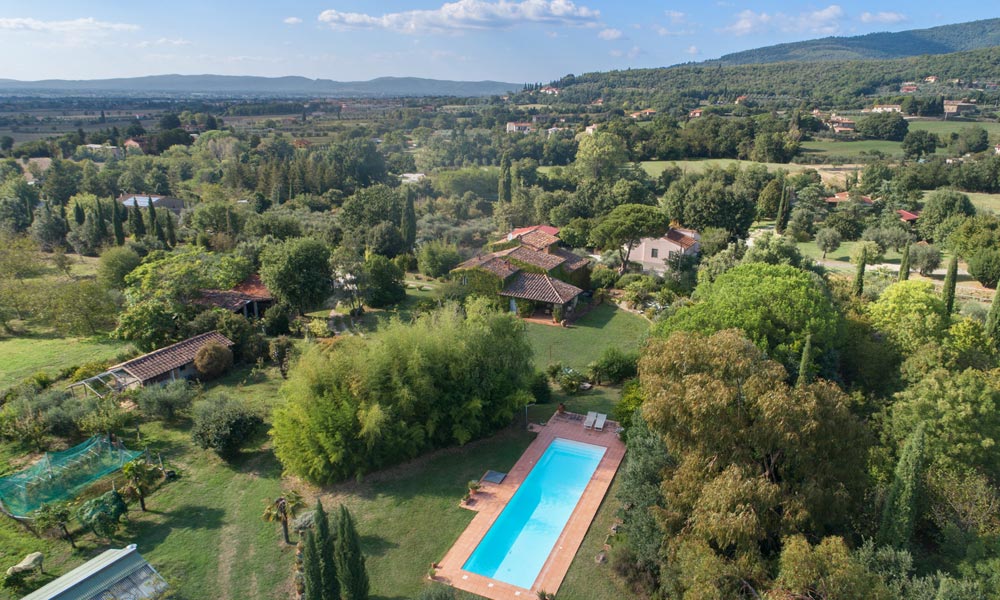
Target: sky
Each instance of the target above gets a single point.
(347, 40)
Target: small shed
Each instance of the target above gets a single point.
(112, 574)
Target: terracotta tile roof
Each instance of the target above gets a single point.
(540, 288)
(682, 238)
(534, 258)
(250, 290)
(572, 261)
(846, 196)
(490, 262)
(538, 240)
(523, 230)
(162, 361)
(907, 216)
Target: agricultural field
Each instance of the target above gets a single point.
(850, 150)
(946, 128)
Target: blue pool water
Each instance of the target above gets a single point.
(521, 539)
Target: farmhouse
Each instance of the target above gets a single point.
(166, 364)
(652, 253)
(694, 114)
(531, 271)
(249, 298)
(170, 203)
(112, 574)
(907, 217)
(519, 127)
(958, 107)
(887, 108)
(846, 197)
(643, 114)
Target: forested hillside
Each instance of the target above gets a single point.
(881, 45)
(836, 83)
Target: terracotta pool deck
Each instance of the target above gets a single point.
(492, 498)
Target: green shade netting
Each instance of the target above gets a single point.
(61, 475)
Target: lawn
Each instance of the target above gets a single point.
(26, 355)
(987, 202)
(851, 149)
(944, 129)
(583, 342)
(843, 253)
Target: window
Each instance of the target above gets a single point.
(656, 252)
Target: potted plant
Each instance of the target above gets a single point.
(473, 487)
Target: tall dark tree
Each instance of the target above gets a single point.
(900, 513)
(313, 575)
(904, 264)
(350, 561)
(783, 213)
(78, 214)
(136, 221)
(329, 588)
(859, 276)
(171, 234)
(152, 216)
(116, 224)
(504, 187)
(993, 321)
(159, 233)
(948, 293)
(408, 224)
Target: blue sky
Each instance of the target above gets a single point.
(507, 40)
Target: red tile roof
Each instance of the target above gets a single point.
(252, 286)
(907, 216)
(680, 237)
(162, 361)
(249, 290)
(535, 258)
(538, 240)
(523, 230)
(489, 262)
(540, 288)
(572, 261)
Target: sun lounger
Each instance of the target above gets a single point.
(588, 423)
(599, 424)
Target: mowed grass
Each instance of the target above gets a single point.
(986, 202)
(843, 253)
(944, 129)
(850, 149)
(585, 340)
(24, 356)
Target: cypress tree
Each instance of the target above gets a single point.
(949, 286)
(102, 224)
(311, 568)
(859, 277)
(408, 224)
(993, 321)
(152, 215)
(158, 231)
(781, 220)
(904, 264)
(902, 503)
(350, 561)
(805, 365)
(78, 214)
(171, 234)
(325, 556)
(116, 224)
(138, 227)
(504, 190)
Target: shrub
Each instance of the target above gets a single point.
(436, 258)
(924, 258)
(615, 365)
(213, 359)
(88, 369)
(224, 425)
(115, 264)
(165, 401)
(570, 380)
(276, 319)
(539, 388)
(628, 278)
(985, 266)
(603, 277)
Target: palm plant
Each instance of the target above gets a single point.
(141, 475)
(281, 509)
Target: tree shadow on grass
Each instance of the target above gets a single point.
(373, 545)
(147, 534)
(260, 462)
(597, 318)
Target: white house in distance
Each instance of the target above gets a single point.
(651, 253)
(519, 127)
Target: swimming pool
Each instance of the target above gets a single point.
(521, 539)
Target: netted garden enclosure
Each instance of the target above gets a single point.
(61, 475)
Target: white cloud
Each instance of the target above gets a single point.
(468, 14)
(665, 31)
(291, 20)
(826, 21)
(164, 42)
(675, 16)
(883, 17)
(72, 26)
(692, 50)
(633, 53)
(610, 34)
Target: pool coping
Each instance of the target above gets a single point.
(492, 499)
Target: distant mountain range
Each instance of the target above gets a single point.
(915, 42)
(227, 85)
